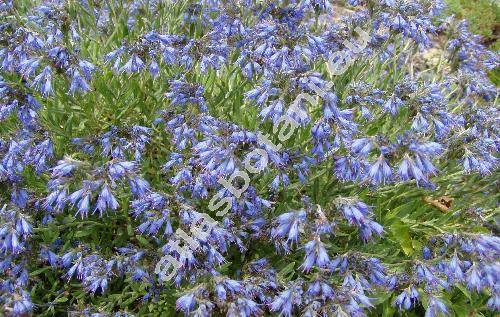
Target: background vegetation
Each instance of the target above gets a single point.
(484, 19)
(404, 209)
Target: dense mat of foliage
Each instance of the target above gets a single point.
(120, 119)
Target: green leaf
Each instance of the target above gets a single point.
(143, 240)
(40, 271)
(287, 272)
(465, 292)
(401, 233)
(80, 234)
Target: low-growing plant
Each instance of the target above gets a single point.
(246, 158)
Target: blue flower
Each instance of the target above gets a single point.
(78, 83)
(106, 200)
(316, 255)
(494, 302)
(362, 146)
(474, 278)
(134, 65)
(288, 225)
(23, 304)
(286, 300)
(380, 171)
(28, 67)
(407, 298)
(392, 105)
(186, 303)
(43, 82)
(435, 308)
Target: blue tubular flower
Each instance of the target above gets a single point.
(19, 196)
(50, 257)
(154, 69)
(356, 295)
(251, 68)
(454, 269)
(368, 228)
(246, 308)
(12, 162)
(315, 255)
(78, 83)
(408, 169)
(321, 289)
(406, 299)
(285, 302)
(138, 186)
(39, 155)
(152, 208)
(63, 168)
(118, 143)
(7, 5)
(43, 82)
(23, 227)
(474, 278)
(426, 253)
(494, 302)
(87, 68)
(106, 200)
(274, 111)
(362, 146)
(260, 94)
(28, 67)
(271, 50)
(104, 180)
(288, 226)
(231, 286)
(182, 93)
(81, 199)
(186, 303)
(23, 304)
(114, 56)
(392, 105)
(349, 168)
(426, 274)
(14, 230)
(90, 269)
(321, 132)
(435, 308)
(420, 124)
(358, 213)
(121, 169)
(481, 161)
(280, 179)
(420, 166)
(399, 24)
(60, 57)
(380, 171)
(95, 283)
(134, 65)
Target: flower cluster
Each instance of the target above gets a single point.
(126, 128)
